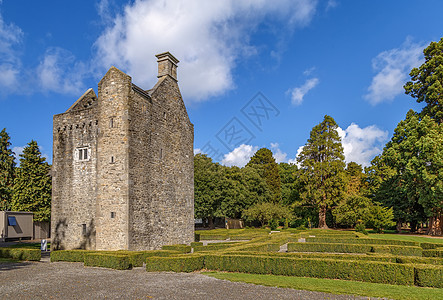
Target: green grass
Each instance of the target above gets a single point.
(334, 286)
(405, 237)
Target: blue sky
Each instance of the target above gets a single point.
(252, 73)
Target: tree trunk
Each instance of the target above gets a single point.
(398, 228)
(322, 218)
(436, 223)
(413, 226)
(211, 222)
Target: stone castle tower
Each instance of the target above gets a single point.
(123, 171)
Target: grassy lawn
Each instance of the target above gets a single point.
(334, 286)
(405, 237)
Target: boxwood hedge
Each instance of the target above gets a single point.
(113, 261)
(433, 252)
(180, 248)
(21, 253)
(182, 263)
(328, 247)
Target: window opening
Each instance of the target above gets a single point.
(83, 154)
(84, 229)
(112, 214)
(12, 221)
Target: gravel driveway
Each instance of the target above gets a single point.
(61, 280)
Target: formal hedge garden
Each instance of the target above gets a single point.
(331, 254)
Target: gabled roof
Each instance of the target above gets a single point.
(87, 100)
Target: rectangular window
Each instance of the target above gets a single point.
(112, 215)
(111, 122)
(84, 229)
(12, 221)
(82, 154)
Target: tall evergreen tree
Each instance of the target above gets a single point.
(264, 161)
(7, 165)
(322, 163)
(32, 184)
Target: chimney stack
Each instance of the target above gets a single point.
(167, 65)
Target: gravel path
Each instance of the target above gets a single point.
(61, 280)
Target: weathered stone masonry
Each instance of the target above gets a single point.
(123, 166)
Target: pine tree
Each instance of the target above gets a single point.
(322, 164)
(32, 184)
(7, 166)
(264, 161)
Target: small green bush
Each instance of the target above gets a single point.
(183, 263)
(182, 248)
(21, 253)
(328, 247)
(112, 261)
(361, 228)
(429, 276)
(433, 252)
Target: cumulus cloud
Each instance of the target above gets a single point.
(298, 93)
(279, 155)
(240, 156)
(360, 145)
(207, 36)
(392, 67)
(60, 72)
(10, 38)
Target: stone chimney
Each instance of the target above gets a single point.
(167, 65)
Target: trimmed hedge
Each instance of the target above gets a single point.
(206, 237)
(429, 276)
(113, 261)
(195, 244)
(328, 247)
(418, 260)
(433, 252)
(70, 255)
(21, 253)
(431, 245)
(368, 271)
(398, 250)
(183, 263)
(364, 241)
(182, 248)
(215, 246)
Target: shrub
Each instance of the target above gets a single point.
(418, 260)
(182, 248)
(69, 255)
(206, 237)
(429, 276)
(113, 261)
(214, 247)
(361, 228)
(21, 253)
(369, 271)
(433, 252)
(183, 263)
(328, 247)
(364, 241)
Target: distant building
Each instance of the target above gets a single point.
(16, 225)
(123, 171)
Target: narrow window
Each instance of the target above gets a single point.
(84, 229)
(82, 154)
(85, 154)
(112, 159)
(164, 115)
(112, 214)
(161, 153)
(111, 123)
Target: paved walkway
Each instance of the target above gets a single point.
(62, 280)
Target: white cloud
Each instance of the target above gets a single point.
(207, 36)
(360, 145)
(197, 151)
(392, 67)
(17, 151)
(298, 93)
(331, 4)
(279, 155)
(240, 156)
(10, 64)
(59, 72)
